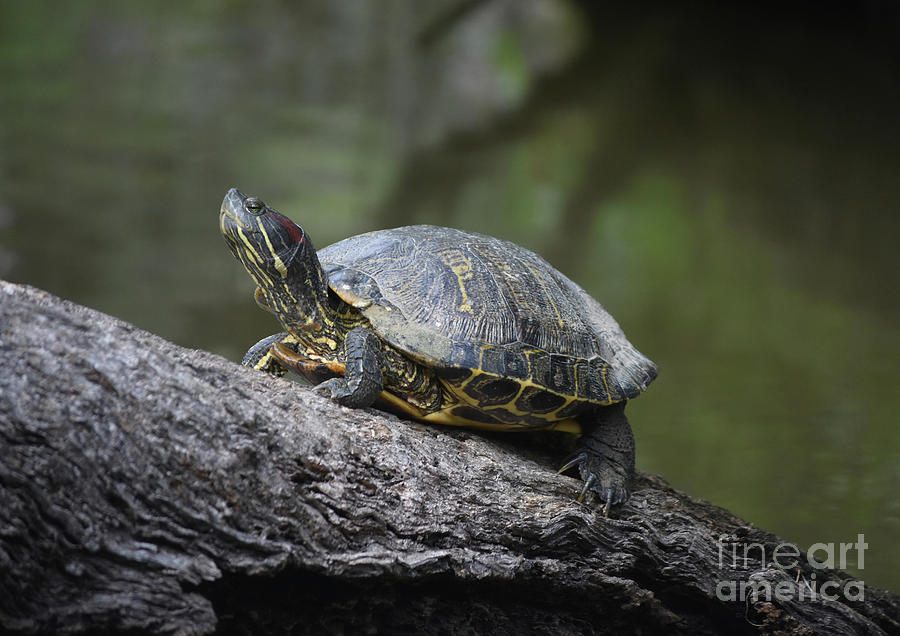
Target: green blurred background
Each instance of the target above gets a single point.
(725, 181)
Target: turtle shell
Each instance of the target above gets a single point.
(462, 302)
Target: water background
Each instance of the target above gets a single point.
(725, 181)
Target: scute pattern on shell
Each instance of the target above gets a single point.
(461, 299)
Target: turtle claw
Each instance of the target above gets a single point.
(576, 460)
(571, 462)
(335, 388)
(611, 499)
(587, 485)
(600, 476)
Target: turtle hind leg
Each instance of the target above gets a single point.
(604, 455)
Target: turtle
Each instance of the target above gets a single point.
(448, 327)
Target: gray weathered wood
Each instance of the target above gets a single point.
(146, 486)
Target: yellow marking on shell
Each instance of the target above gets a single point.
(461, 266)
(567, 426)
(402, 405)
(279, 264)
(553, 421)
(446, 417)
(605, 383)
(464, 383)
(450, 419)
(575, 378)
(509, 406)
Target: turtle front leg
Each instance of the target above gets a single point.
(604, 455)
(260, 357)
(362, 380)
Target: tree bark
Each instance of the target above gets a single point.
(144, 486)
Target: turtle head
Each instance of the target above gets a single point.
(279, 256)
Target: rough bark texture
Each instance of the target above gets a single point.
(146, 486)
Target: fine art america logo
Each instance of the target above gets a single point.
(772, 580)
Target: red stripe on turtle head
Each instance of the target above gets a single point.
(293, 229)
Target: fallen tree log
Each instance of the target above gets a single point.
(144, 486)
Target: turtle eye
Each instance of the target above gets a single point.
(254, 205)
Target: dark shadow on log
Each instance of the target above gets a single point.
(148, 487)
